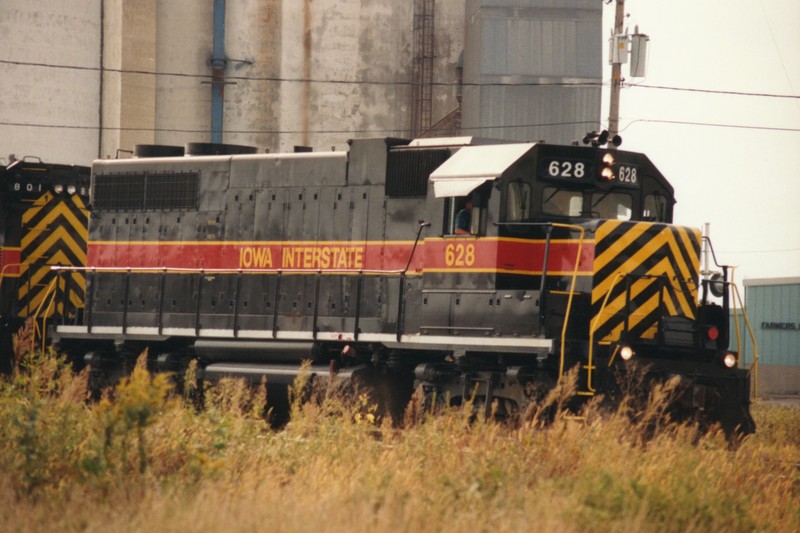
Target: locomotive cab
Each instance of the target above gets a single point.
(584, 236)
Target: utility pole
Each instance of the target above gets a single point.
(617, 58)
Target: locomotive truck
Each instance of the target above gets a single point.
(251, 263)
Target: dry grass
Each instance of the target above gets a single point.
(145, 459)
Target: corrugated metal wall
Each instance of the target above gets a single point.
(773, 308)
(532, 69)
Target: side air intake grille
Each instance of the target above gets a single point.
(409, 170)
(172, 191)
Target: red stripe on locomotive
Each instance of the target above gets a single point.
(480, 255)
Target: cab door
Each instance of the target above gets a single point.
(458, 296)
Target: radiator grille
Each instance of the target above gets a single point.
(148, 192)
(408, 172)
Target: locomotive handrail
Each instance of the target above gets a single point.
(754, 367)
(593, 327)
(549, 226)
(279, 272)
(571, 295)
(183, 270)
(3, 271)
(50, 290)
(202, 272)
(53, 292)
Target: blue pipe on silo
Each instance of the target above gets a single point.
(218, 62)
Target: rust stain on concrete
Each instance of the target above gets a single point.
(307, 43)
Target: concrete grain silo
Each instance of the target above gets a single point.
(82, 80)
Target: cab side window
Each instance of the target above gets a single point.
(466, 215)
(462, 216)
(655, 208)
(518, 201)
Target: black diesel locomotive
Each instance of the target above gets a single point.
(43, 223)
(252, 263)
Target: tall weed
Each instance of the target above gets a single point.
(143, 457)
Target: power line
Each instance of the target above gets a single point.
(709, 124)
(788, 250)
(399, 83)
(714, 91)
(391, 130)
(280, 132)
(277, 79)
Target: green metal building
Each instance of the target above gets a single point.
(773, 310)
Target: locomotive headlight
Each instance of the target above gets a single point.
(729, 360)
(607, 174)
(608, 159)
(71, 189)
(58, 188)
(626, 353)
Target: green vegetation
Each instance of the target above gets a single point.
(143, 458)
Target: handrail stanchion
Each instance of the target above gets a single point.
(61, 276)
(48, 296)
(314, 327)
(275, 307)
(53, 295)
(754, 367)
(543, 283)
(359, 284)
(126, 293)
(236, 303)
(90, 298)
(400, 306)
(199, 302)
(569, 304)
(400, 301)
(593, 326)
(162, 295)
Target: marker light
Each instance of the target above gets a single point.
(608, 172)
(712, 333)
(729, 360)
(71, 189)
(58, 188)
(626, 353)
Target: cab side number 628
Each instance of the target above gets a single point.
(628, 175)
(459, 255)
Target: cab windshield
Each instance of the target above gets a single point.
(602, 204)
(612, 205)
(562, 202)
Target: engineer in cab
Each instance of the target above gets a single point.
(463, 225)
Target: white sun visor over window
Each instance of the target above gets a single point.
(473, 166)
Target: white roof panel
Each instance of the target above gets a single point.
(472, 166)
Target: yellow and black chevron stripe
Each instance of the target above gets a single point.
(54, 232)
(655, 267)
